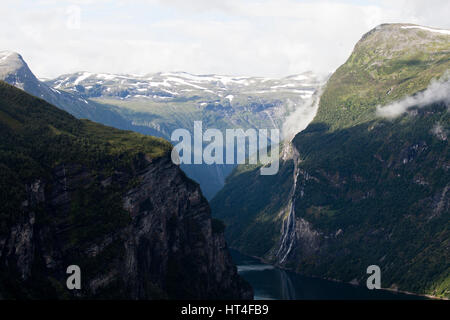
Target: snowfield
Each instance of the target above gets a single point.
(441, 31)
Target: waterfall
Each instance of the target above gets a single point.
(288, 233)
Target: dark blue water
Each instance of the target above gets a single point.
(269, 283)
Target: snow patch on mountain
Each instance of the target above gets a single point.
(182, 84)
(442, 31)
(84, 76)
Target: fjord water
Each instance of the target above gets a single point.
(270, 282)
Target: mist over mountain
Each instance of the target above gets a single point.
(438, 90)
(98, 100)
(356, 189)
(158, 104)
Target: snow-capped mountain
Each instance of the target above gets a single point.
(168, 101)
(160, 86)
(15, 71)
(157, 104)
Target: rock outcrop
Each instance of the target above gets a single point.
(167, 249)
(108, 201)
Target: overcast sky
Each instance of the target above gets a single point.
(254, 37)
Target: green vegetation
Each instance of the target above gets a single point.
(375, 190)
(161, 118)
(386, 206)
(38, 142)
(385, 66)
(251, 206)
(166, 116)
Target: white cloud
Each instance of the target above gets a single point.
(438, 90)
(267, 38)
(304, 112)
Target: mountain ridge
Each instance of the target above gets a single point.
(363, 190)
(15, 71)
(110, 201)
(169, 101)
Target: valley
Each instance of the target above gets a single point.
(165, 102)
(158, 104)
(271, 282)
(362, 179)
(355, 188)
(109, 201)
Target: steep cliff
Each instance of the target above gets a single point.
(365, 190)
(77, 193)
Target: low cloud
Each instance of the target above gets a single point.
(438, 90)
(304, 112)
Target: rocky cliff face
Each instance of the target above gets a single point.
(178, 249)
(117, 207)
(167, 249)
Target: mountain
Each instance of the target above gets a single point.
(164, 102)
(74, 192)
(157, 104)
(15, 71)
(182, 85)
(359, 186)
